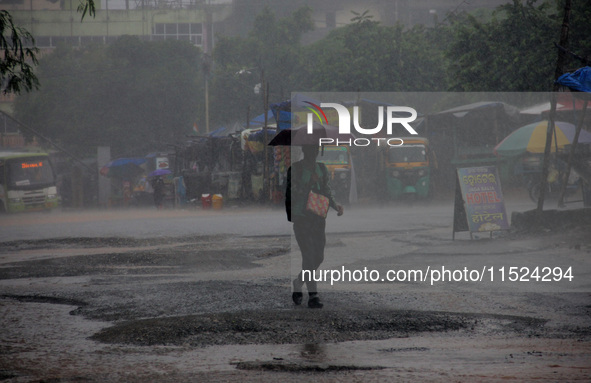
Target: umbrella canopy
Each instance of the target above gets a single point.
(299, 136)
(159, 172)
(532, 138)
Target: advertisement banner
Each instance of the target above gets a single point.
(480, 188)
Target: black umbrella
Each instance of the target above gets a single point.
(299, 136)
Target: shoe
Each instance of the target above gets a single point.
(314, 303)
(297, 298)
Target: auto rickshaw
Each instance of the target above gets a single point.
(338, 161)
(408, 169)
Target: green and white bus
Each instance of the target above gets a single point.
(27, 182)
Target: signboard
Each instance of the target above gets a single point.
(479, 205)
(162, 163)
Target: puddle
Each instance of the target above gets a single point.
(42, 341)
(301, 367)
(280, 327)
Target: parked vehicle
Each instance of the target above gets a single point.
(529, 168)
(27, 182)
(338, 161)
(553, 183)
(408, 169)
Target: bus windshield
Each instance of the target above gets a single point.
(29, 173)
(334, 155)
(407, 153)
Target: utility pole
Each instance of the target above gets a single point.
(265, 89)
(206, 74)
(555, 88)
(206, 62)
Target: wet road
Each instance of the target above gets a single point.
(184, 296)
(252, 220)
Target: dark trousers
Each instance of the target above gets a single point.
(311, 238)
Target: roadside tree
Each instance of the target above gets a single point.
(367, 56)
(132, 95)
(515, 50)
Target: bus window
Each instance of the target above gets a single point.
(27, 173)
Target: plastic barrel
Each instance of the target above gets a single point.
(217, 201)
(206, 201)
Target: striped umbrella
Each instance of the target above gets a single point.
(532, 138)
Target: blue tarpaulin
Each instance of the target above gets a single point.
(219, 132)
(260, 120)
(282, 111)
(282, 114)
(579, 80)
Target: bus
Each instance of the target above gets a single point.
(27, 182)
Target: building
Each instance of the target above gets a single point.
(10, 133)
(330, 14)
(53, 22)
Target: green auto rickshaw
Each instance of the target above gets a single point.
(408, 169)
(338, 162)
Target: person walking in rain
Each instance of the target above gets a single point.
(309, 228)
(158, 186)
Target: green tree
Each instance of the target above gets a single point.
(20, 54)
(16, 65)
(515, 50)
(246, 11)
(367, 56)
(271, 50)
(579, 34)
(133, 95)
(86, 7)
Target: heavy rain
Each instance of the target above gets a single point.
(261, 191)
